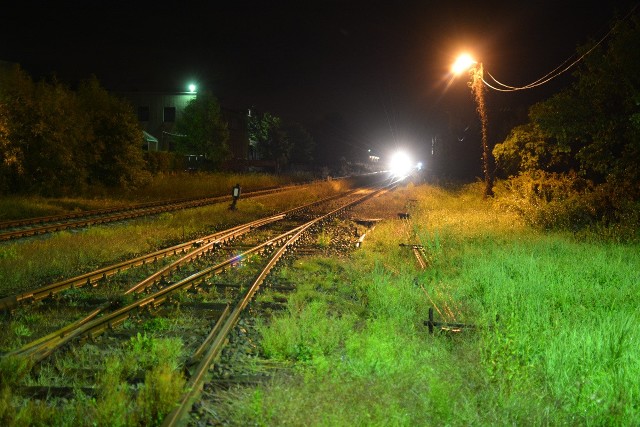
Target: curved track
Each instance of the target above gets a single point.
(243, 256)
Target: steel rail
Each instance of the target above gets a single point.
(90, 278)
(109, 320)
(95, 276)
(94, 212)
(43, 347)
(94, 218)
(194, 385)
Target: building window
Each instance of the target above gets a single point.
(169, 114)
(143, 114)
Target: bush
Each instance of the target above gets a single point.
(554, 201)
(163, 162)
(549, 200)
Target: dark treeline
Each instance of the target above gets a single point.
(580, 149)
(57, 141)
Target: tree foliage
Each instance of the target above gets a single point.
(114, 150)
(205, 130)
(302, 143)
(56, 142)
(592, 126)
(526, 149)
(270, 139)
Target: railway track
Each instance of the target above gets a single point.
(17, 229)
(240, 259)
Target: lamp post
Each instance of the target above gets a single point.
(465, 62)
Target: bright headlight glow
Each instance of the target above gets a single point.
(400, 164)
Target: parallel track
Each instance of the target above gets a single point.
(157, 289)
(28, 227)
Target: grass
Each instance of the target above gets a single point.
(162, 187)
(118, 402)
(23, 264)
(556, 343)
(563, 350)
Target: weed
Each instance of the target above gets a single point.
(12, 369)
(113, 404)
(561, 351)
(324, 239)
(144, 352)
(21, 330)
(157, 324)
(162, 388)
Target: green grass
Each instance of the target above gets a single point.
(563, 350)
(162, 187)
(28, 264)
(556, 343)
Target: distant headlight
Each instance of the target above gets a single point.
(400, 164)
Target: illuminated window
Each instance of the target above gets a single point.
(169, 114)
(143, 114)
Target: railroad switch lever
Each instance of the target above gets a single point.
(444, 326)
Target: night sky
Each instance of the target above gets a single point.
(381, 65)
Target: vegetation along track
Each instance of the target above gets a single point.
(27, 227)
(181, 293)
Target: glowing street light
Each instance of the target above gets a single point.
(462, 64)
(192, 88)
(466, 62)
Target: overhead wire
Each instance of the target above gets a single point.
(550, 75)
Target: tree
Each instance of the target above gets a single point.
(16, 93)
(204, 129)
(113, 153)
(57, 142)
(44, 131)
(11, 159)
(10, 162)
(527, 148)
(596, 121)
(271, 140)
(302, 143)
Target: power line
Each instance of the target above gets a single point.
(555, 73)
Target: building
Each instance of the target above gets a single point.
(158, 113)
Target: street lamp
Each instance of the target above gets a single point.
(463, 63)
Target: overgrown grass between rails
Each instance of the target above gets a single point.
(563, 350)
(117, 403)
(162, 187)
(27, 264)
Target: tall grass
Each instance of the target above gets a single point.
(568, 324)
(556, 339)
(27, 264)
(206, 184)
(161, 187)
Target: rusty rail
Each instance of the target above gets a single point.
(103, 216)
(196, 380)
(203, 243)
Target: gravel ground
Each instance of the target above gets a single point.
(238, 361)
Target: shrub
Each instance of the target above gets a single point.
(554, 201)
